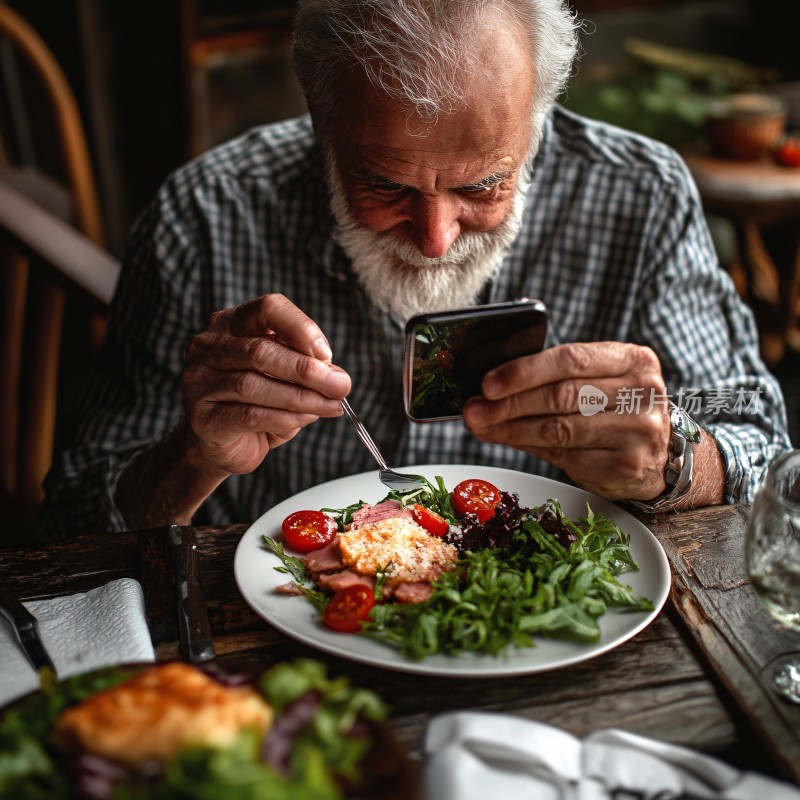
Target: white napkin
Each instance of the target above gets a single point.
(81, 632)
(480, 755)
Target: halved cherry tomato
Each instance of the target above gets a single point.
(305, 531)
(348, 608)
(435, 524)
(477, 497)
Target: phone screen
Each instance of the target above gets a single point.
(448, 353)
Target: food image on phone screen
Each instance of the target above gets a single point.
(448, 353)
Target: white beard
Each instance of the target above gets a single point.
(403, 282)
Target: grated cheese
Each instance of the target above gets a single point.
(410, 552)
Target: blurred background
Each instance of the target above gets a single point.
(159, 81)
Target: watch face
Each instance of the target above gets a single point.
(677, 449)
(684, 425)
(678, 471)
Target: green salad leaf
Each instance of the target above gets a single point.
(340, 707)
(436, 496)
(297, 569)
(235, 773)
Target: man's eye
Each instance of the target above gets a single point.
(480, 190)
(486, 188)
(478, 187)
(387, 188)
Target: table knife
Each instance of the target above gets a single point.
(194, 629)
(26, 628)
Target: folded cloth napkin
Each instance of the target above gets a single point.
(81, 632)
(480, 755)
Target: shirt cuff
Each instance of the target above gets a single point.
(746, 452)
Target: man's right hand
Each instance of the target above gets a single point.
(258, 374)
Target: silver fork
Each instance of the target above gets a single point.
(397, 481)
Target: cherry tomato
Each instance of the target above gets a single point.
(435, 524)
(348, 608)
(305, 531)
(445, 359)
(476, 496)
(788, 153)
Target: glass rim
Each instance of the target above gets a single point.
(785, 463)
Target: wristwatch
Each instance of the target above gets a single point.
(678, 472)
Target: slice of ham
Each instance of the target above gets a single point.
(336, 581)
(415, 592)
(290, 588)
(368, 515)
(326, 559)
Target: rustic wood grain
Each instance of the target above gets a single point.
(733, 631)
(68, 567)
(156, 569)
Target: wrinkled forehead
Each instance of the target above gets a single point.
(460, 148)
(489, 131)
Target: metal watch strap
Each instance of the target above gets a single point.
(680, 462)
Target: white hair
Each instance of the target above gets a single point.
(419, 52)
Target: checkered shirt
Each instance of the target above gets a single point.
(613, 240)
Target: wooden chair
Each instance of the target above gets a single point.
(51, 255)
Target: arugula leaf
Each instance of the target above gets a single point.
(291, 565)
(235, 772)
(344, 516)
(298, 570)
(340, 706)
(567, 621)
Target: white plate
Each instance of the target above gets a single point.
(296, 617)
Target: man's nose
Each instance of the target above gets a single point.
(434, 223)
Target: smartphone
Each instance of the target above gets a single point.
(447, 353)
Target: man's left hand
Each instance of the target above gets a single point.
(532, 404)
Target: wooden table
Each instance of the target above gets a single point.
(693, 677)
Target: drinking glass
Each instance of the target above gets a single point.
(772, 558)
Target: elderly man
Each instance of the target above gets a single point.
(434, 171)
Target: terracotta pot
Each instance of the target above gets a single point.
(745, 126)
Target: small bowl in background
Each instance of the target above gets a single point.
(745, 126)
